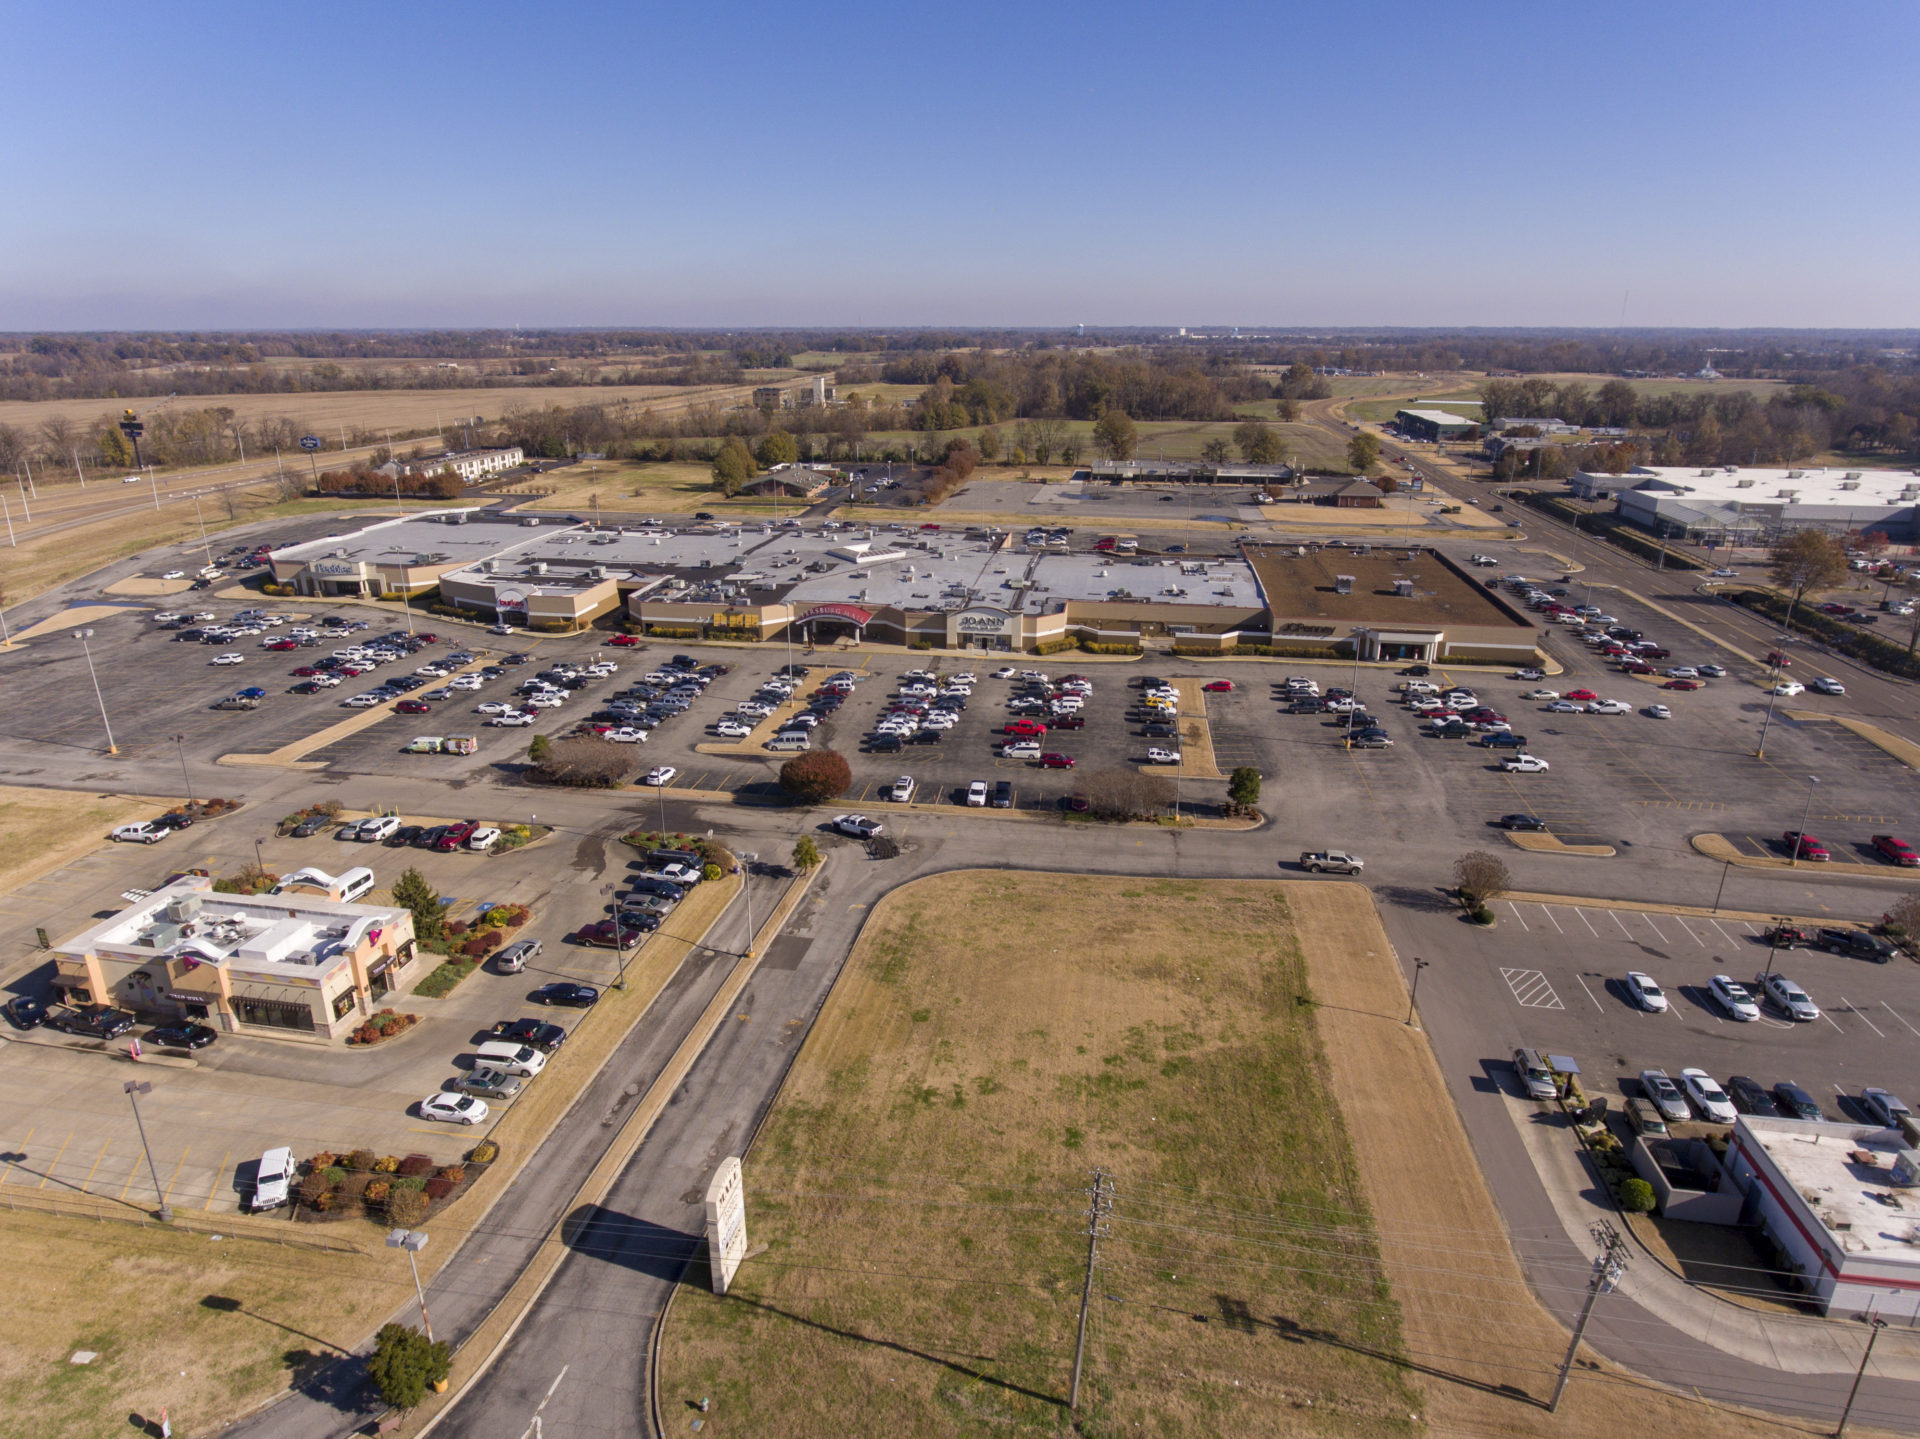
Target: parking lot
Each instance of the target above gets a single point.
(209, 1120)
(1556, 973)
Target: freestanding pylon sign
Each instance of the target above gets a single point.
(726, 1224)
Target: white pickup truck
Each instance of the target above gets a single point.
(1331, 861)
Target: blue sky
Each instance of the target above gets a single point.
(212, 165)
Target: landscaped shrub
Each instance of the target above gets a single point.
(485, 1152)
(386, 1164)
(438, 1188)
(314, 1187)
(406, 1207)
(415, 1165)
(1636, 1196)
(325, 1159)
(474, 948)
(334, 1174)
(361, 1161)
(378, 1191)
(353, 1189)
(502, 915)
(1483, 915)
(455, 1172)
(458, 927)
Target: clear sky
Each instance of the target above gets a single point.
(1488, 162)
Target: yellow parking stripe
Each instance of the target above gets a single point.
(218, 1175)
(95, 1165)
(56, 1162)
(174, 1178)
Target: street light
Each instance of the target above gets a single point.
(135, 1088)
(1800, 835)
(1414, 994)
(83, 636)
(413, 1241)
(746, 888)
(180, 744)
(258, 863)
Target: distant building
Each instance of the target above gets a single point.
(1433, 424)
(470, 465)
(1359, 495)
(796, 482)
(1185, 472)
(818, 390)
(1736, 504)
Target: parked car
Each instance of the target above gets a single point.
(857, 825)
(1708, 1097)
(489, 1083)
(1749, 1096)
(1827, 685)
(514, 958)
(23, 1011)
(1524, 763)
(91, 1021)
(183, 1035)
(1896, 851)
(574, 996)
(660, 775)
(1664, 1094)
(454, 1109)
(1646, 993)
(1790, 998)
(1804, 846)
(1536, 1077)
(541, 1034)
(1163, 756)
(1794, 1102)
(1884, 1107)
(1733, 998)
(143, 831)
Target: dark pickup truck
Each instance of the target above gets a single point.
(92, 1022)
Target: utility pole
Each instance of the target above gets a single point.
(1099, 1205)
(1607, 1269)
(1874, 1325)
(137, 1087)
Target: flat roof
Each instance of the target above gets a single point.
(1438, 417)
(400, 541)
(291, 933)
(1740, 484)
(1845, 1196)
(1298, 585)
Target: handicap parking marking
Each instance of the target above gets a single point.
(1897, 1015)
(1531, 989)
(1854, 1010)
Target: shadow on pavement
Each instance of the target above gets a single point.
(636, 1244)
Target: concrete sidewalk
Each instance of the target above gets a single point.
(1787, 1343)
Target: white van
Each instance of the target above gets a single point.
(1020, 749)
(354, 883)
(511, 1058)
(787, 741)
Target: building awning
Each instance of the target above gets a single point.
(853, 614)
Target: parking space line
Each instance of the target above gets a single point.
(1730, 939)
(174, 1178)
(1516, 914)
(1689, 929)
(214, 1188)
(1897, 1015)
(1587, 922)
(56, 1161)
(1551, 920)
(1615, 914)
(1854, 1010)
(133, 1169)
(103, 1154)
(1830, 1020)
(1590, 994)
(14, 1164)
(1654, 927)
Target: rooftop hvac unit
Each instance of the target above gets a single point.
(538, 567)
(599, 572)
(1343, 584)
(458, 517)
(183, 908)
(1743, 484)
(1854, 475)
(1403, 588)
(1849, 484)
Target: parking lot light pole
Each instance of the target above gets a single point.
(746, 888)
(258, 863)
(1773, 945)
(1414, 995)
(180, 745)
(413, 1241)
(1800, 835)
(135, 1088)
(1874, 1325)
(83, 636)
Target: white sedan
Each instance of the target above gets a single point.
(1524, 764)
(454, 1108)
(1789, 688)
(1659, 712)
(1541, 695)
(174, 575)
(1647, 994)
(660, 776)
(494, 707)
(1608, 707)
(1006, 673)
(1566, 707)
(733, 729)
(231, 657)
(1708, 1097)
(468, 683)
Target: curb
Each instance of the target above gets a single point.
(1719, 848)
(1537, 843)
(1697, 911)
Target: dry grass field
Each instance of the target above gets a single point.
(637, 487)
(920, 1188)
(372, 410)
(1275, 1262)
(44, 829)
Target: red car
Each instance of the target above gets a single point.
(1582, 695)
(1778, 660)
(1635, 667)
(413, 707)
(284, 645)
(307, 672)
(1069, 722)
(1056, 761)
(623, 641)
(1898, 851)
(1681, 685)
(1218, 687)
(456, 836)
(428, 638)
(1804, 846)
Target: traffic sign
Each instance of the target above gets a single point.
(309, 442)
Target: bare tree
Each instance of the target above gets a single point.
(1480, 878)
(1806, 560)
